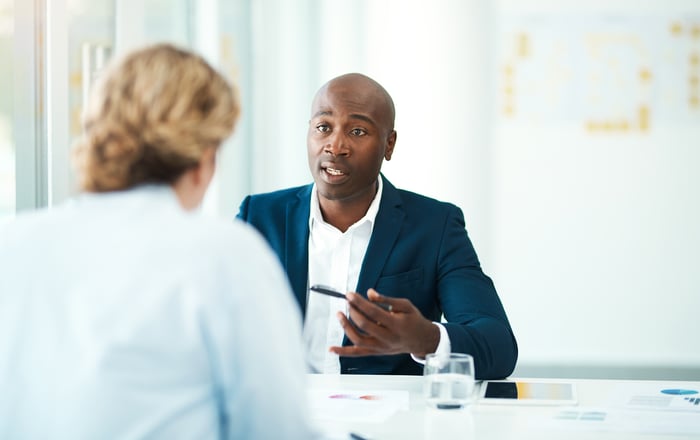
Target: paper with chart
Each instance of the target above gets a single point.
(635, 406)
(670, 396)
(368, 406)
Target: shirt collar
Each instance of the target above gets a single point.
(316, 216)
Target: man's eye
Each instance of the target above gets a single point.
(357, 132)
(322, 128)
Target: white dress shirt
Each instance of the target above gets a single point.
(335, 260)
(123, 316)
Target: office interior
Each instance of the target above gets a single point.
(568, 132)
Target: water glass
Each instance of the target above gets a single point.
(449, 380)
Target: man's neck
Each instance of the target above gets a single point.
(344, 213)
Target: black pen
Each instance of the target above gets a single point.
(330, 292)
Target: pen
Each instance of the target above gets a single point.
(330, 292)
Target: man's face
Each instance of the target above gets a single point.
(349, 136)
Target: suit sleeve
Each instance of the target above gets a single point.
(243, 209)
(476, 320)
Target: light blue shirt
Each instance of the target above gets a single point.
(124, 317)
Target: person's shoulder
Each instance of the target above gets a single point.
(232, 246)
(223, 238)
(423, 202)
(217, 231)
(270, 205)
(407, 197)
(28, 224)
(281, 194)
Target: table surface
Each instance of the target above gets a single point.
(482, 421)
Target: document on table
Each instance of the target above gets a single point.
(656, 396)
(368, 406)
(652, 408)
(620, 420)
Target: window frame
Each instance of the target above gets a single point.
(29, 119)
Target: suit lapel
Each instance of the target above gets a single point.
(297, 245)
(384, 234)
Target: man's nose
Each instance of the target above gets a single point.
(337, 146)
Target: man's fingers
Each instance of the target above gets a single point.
(353, 351)
(349, 329)
(367, 308)
(399, 305)
(377, 326)
(369, 334)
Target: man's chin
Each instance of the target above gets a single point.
(333, 196)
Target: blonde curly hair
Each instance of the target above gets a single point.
(150, 117)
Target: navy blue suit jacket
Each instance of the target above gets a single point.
(419, 249)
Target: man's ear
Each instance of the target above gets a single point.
(390, 142)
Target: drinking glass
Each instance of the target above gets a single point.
(449, 380)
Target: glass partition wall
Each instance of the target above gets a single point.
(53, 50)
(7, 146)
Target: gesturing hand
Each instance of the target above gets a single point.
(376, 331)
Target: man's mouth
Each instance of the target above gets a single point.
(334, 172)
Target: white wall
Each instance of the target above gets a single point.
(591, 236)
(596, 233)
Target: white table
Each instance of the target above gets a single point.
(492, 422)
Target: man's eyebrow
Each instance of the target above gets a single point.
(362, 118)
(352, 116)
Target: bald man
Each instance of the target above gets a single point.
(353, 231)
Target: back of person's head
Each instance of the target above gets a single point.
(150, 117)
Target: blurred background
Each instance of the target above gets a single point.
(567, 131)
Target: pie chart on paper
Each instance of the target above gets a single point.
(679, 392)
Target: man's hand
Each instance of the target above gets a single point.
(376, 331)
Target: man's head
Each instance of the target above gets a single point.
(351, 132)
